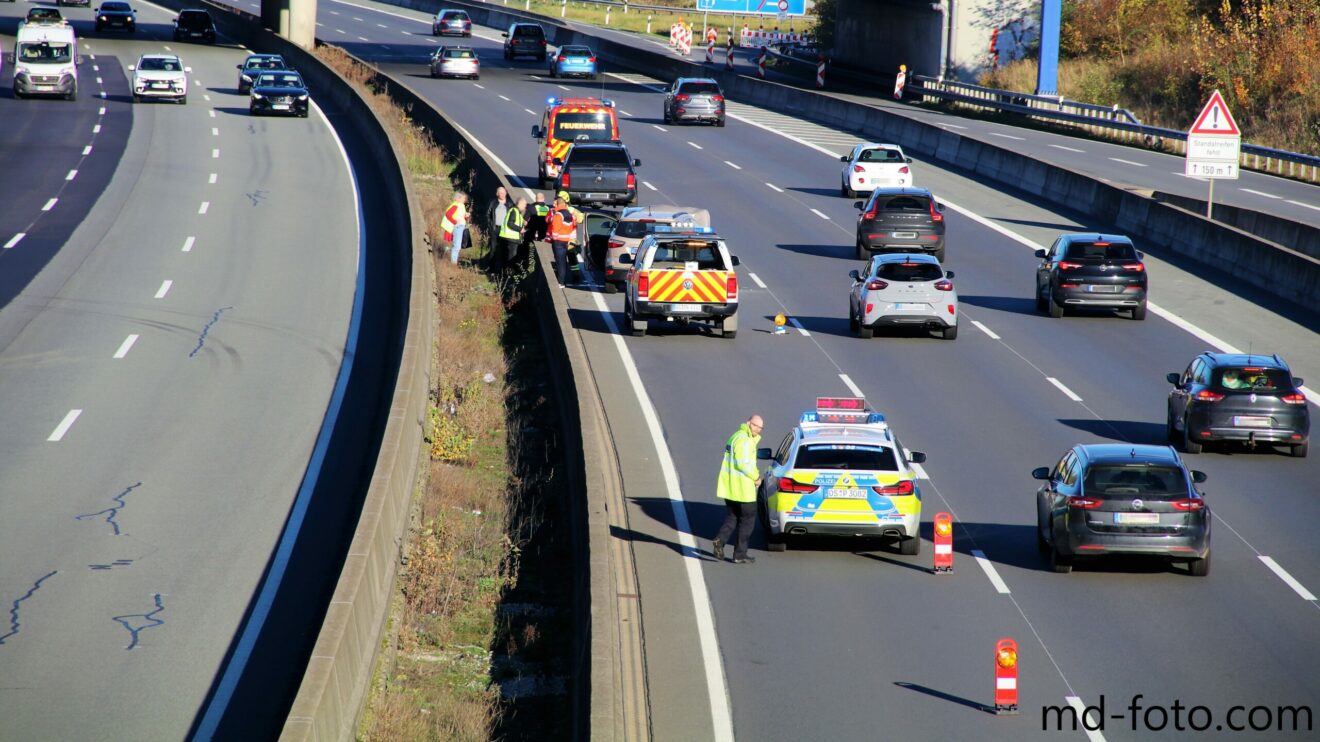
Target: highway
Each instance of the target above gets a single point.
(172, 324)
(834, 643)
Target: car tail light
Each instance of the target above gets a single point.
(1189, 505)
(616, 243)
(562, 58)
(1064, 265)
(952, 309)
(1083, 503)
(858, 169)
(868, 216)
(566, 181)
(1205, 395)
(1135, 267)
(904, 487)
(632, 181)
(542, 42)
(717, 98)
(1294, 398)
(876, 284)
(935, 215)
(1069, 285)
(681, 97)
(944, 284)
(904, 170)
(643, 285)
(731, 288)
(786, 484)
(591, 59)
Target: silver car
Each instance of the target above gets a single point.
(455, 61)
(903, 289)
(632, 227)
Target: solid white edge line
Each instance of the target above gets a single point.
(989, 568)
(848, 382)
(164, 289)
(125, 346)
(794, 321)
(756, 279)
(64, 426)
(17, 238)
(1092, 734)
(985, 329)
(1071, 395)
(188, 244)
(1288, 579)
(819, 213)
(50, 204)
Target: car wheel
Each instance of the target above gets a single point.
(137, 98)
(1058, 562)
(541, 58)
(476, 77)
(1139, 313)
(183, 100)
(729, 327)
(720, 123)
(773, 541)
(1170, 430)
(303, 115)
(847, 192)
(611, 287)
(853, 324)
(1299, 451)
(252, 110)
(1056, 309)
(1199, 567)
(73, 95)
(950, 332)
(1189, 445)
(1042, 304)
(667, 118)
(1042, 545)
(434, 74)
(864, 332)
(910, 546)
(939, 255)
(862, 253)
(635, 328)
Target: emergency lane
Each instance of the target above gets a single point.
(165, 377)
(996, 268)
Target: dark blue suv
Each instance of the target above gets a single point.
(1249, 398)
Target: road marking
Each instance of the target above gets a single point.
(794, 321)
(125, 346)
(382, 25)
(625, 113)
(1007, 136)
(954, 126)
(15, 240)
(1069, 149)
(96, 129)
(848, 382)
(1288, 579)
(204, 207)
(188, 244)
(918, 469)
(730, 164)
(72, 174)
(1260, 193)
(658, 127)
(985, 329)
(775, 188)
(478, 85)
(504, 97)
(530, 111)
(755, 279)
(167, 48)
(205, 96)
(213, 177)
(694, 144)
(50, 204)
(215, 132)
(101, 112)
(1299, 203)
(342, 31)
(102, 93)
(96, 68)
(87, 150)
(1128, 162)
(99, 81)
(989, 568)
(1063, 388)
(64, 426)
(164, 289)
(648, 185)
(1092, 734)
(564, 87)
(818, 213)
(215, 154)
(359, 20)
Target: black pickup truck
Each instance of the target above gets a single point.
(599, 174)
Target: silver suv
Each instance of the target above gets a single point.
(632, 227)
(694, 99)
(903, 289)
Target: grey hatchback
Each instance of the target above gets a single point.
(900, 220)
(1252, 399)
(1114, 498)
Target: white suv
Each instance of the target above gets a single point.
(160, 76)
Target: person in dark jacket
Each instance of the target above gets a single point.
(534, 218)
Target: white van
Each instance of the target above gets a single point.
(46, 61)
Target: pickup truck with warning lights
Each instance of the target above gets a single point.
(680, 275)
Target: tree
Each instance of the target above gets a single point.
(826, 10)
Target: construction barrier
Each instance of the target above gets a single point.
(710, 52)
(760, 64)
(762, 38)
(1006, 676)
(900, 81)
(943, 543)
(820, 72)
(728, 58)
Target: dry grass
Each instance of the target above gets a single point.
(661, 20)
(464, 544)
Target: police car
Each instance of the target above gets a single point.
(841, 472)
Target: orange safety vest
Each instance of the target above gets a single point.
(562, 226)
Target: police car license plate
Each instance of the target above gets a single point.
(1137, 518)
(1246, 421)
(905, 235)
(846, 493)
(685, 308)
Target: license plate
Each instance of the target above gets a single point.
(908, 306)
(598, 195)
(160, 85)
(196, 33)
(1137, 518)
(281, 106)
(43, 87)
(1099, 289)
(905, 235)
(1247, 421)
(685, 308)
(846, 493)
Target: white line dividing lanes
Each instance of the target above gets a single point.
(648, 185)
(64, 426)
(694, 144)
(215, 154)
(730, 164)
(1068, 149)
(125, 346)
(1128, 162)
(188, 244)
(206, 206)
(989, 568)
(1070, 394)
(50, 204)
(1260, 193)
(164, 289)
(775, 188)
(15, 240)
(848, 382)
(72, 174)
(794, 321)
(755, 278)
(213, 178)
(87, 150)
(1006, 136)
(819, 213)
(1288, 579)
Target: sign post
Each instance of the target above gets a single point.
(1214, 146)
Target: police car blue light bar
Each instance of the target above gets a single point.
(831, 417)
(669, 228)
(552, 101)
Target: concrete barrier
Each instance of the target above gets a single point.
(1300, 237)
(333, 689)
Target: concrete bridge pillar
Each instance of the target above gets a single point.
(295, 20)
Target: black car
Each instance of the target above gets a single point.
(599, 173)
(254, 65)
(1250, 398)
(194, 25)
(279, 92)
(1118, 498)
(83, 3)
(116, 14)
(900, 220)
(694, 99)
(525, 39)
(1091, 271)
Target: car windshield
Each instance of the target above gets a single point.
(1100, 251)
(846, 456)
(902, 203)
(280, 81)
(1251, 377)
(584, 127)
(459, 54)
(698, 88)
(454, 15)
(705, 254)
(195, 20)
(880, 155)
(529, 31)
(43, 14)
(265, 64)
(909, 272)
(1118, 481)
(114, 6)
(575, 51)
(44, 52)
(159, 65)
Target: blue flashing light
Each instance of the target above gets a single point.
(669, 228)
(607, 102)
(552, 101)
(874, 418)
(808, 417)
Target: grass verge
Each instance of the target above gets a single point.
(475, 644)
(661, 20)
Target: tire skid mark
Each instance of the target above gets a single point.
(14, 608)
(201, 339)
(112, 512)
(150, 618)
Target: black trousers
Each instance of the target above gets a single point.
(743, 516)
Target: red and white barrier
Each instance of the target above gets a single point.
(762, 38)
(943, 543)
(1006, 676)
(728, 59)
(760, 63)
(900, 81)
(820, 73)
(710, 52)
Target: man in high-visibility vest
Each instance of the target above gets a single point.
(562, 230)
(510, 236)
(454, 224)
(736, 486)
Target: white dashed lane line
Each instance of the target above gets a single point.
(1128, 162)
(363, 38)
(15, 240)
(213, 178)
(1007, 136)
(625, 113)
(954, 126)
(206, 206)
(564, 87)
(126, 346)
(205, 96)
(819, 213)
(72, 174)
(479, 85)
(87, 150)
(1067, 392)
(58, 434)
(215, 154)
(1090, 724)
(215, 132)
(1069, 149)
(530, 111)
(96, 129)
(96, 68)
(99, 81)
(985, 329)
(1313, 207)
(794, 321)
(188, 244)
(1288, 579)
(694, 144)
(50, 204)
(658, 128)
(989, 568)
(730, 164)
(1260, 193)
(756, 279)
(164, 289)
(504, 97)
(775, 188)
(101, 112)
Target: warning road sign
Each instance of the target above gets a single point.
(1214, 143)
(1215, 119)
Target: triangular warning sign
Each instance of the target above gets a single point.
(1215, 118)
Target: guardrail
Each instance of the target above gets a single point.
(627, 6)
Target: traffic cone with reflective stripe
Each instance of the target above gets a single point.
(943, 543)
(1006, 676)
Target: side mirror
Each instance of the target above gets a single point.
(536, 132)
(238, 66)
(948, 274)
(637, 163)
(132, 67)
(9, 57)
(559, 161)
(626, 259)
(916, 457)
(763, 454)
(1040, 473)
(854, 275)
(939, 207)
(908, 160)
(1141, 255)
(505, 34)
(176, 19)
(1199, 476)
(1297, 381)
(734, 259)
(859, 205)
(844, 158)
(188, 70)
(1173, 377)
(1040, 254)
